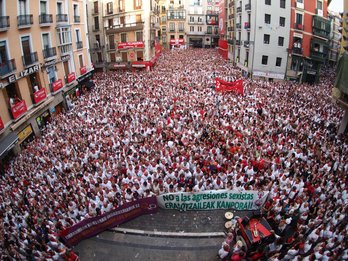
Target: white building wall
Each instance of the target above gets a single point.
(272, 50)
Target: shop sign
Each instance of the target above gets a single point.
(65, 58)
(40, 95)
(18, 109)
(29, 70)
(50, 63)
(25, 133)
(57, 85)
(83, 70)
(127, 45)
(1, 124)
(71, 77)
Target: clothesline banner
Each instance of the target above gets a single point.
(213, 199)
(93, 226)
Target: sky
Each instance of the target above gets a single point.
(336, 5)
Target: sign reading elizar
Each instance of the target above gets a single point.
(126, 45)
(12, 78)
(40, 95)
(57, 85)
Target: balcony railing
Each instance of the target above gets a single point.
(321, 32)
(124, 27)
(297, 50)
(239, 26)
(318, 55)
(79, 45)
(7, 67)
(45, 19)
(49, 52)
(4, 22)
(231, 16)
(248, 7)
(29, 59)
(237, 42)
(66, 48)
(298, 26)
(246, 44)
(230, 41)
(77, 19)
(96, 28)
(62, 18)
(25, 20)
(95, 11)
(111, 47)
(239, 9)
(230, 29)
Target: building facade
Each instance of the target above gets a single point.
(123, 34)
(230, 30)
(335, 37)
(344, 29)
(43, 58)
(309, 40)
(261, 30)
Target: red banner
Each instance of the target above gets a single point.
(40, 95)
(222, 17)
(18, 109)
(223, 86)
(177, 41)
(93, 226)
(223, 49)
(57, 85)
(71, 77)
(1, 124)
(83, 70)
(126, 45)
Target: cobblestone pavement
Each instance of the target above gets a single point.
(124, 246)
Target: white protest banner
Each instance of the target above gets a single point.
(213, 199)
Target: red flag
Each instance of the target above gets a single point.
(223, 86)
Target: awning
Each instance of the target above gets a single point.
(84, 77)
(8, 142)
(138, 65)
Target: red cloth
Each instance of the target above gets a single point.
(223, 86)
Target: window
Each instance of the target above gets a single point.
(192, 19)
(78, 35)
(95, 4)
(59, 8)
(137, 4)
(81, 61)
(278, 62)
(267, 2)
(282, 3)
(192, 28)
(209, 31)
(172, 36)
(298, 18)
(264, 59)
(75, 9)
(200, 19)
(171, 27)
(140, 55)
(64, 36)
(123, 37)
(112, 57)
(181, 36)
(111, 42)
(46, 41)
(266, 38)
(282, 21)
(181, 27)
(319, 5)
(139, 36)
(109, 8)
(43, 7)
(267, 18)
(96, 22)
(199, 28)
(281, 41)
(120, 6)
(23, 8)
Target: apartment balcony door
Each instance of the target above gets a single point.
(3, 52)
(23, 7)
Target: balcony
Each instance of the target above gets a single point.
(209, 32)
(65, 48)
(297, 50)
(181, 30)
(7, 67)
(238, 26)
(239, 9)
(49, 52)
(79, 45)
(231, 4)
(317, 55)
(4, 23)
(95, 11)
(96, 28)
(111, 47)
(299, 26)
(45, 19)
(25, 21)
(248, 7)
(247, 25)
(122, 28)
(77, 19)
(230, 41)
(321, 27)
(230, 29)
(29, 59)
(238, 42)
(246, 44)
(62, 18)
(97, 47)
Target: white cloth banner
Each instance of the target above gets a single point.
(213, 199)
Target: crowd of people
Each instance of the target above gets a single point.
(139, 134)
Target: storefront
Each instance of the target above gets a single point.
(58, 109)
(84, 82)
(26, 135)
(43, 120)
